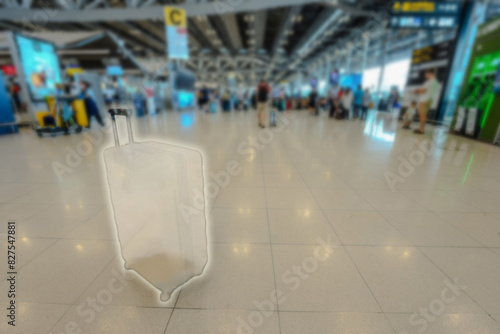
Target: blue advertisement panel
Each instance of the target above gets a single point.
(351, 80)
(40, 66)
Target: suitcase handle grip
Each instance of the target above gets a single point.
(121, 112)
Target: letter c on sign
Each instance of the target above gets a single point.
(174, 17)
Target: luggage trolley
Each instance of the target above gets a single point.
(273, 118)
(57, 122)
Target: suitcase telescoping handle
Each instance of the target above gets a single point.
(121, 112)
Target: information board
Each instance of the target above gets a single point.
(176, 32)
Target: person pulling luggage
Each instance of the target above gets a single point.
(263, 91)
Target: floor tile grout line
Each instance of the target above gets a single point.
(92, 216)
(459, 229)
(435, 265)
(450, 278)
(359, 272)
(403, 192)
(352, 261)
(25, 193)
(373, 295)
(272, 254)
(31, 216)
(448, 224)
(379, 213)
(436, 214)
(173, 310)
(463, 201)
(36, 256)
(77, 298)
(346, 244)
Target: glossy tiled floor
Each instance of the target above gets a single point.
(424, 258)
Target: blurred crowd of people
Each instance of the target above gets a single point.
(339, 102)
(342, 102)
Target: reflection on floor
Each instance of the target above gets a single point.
(326, 227)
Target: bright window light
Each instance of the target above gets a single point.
(371, 77)
(396, 74)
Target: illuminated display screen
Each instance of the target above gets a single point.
(425, 14)
(185, 99)
(430, 22)
(414, 7)
(426, 7)
(40, 66)
(114, 70)
(496, 85)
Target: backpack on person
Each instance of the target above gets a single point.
(263, 93)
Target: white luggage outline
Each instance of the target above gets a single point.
(166, 288)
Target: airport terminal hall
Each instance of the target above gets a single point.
(249, 167)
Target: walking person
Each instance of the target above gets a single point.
(333, 99)
(358, 101)
(427, 95)
(313, 97)
(263, 91)
(90, 104)
(204, 98)
(346, 103)
(14, 90)
(367, 100)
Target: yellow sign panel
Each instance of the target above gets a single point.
(175, 17)
(414, 7)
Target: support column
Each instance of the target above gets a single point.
(328, 70)
(421, 38)
(171, 82)
(383, 50)
(348, 61)
(473, 16)
(365, 55)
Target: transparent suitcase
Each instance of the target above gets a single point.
(156, 192)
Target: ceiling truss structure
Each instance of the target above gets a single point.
(131, 10)
(220, 66)
(270, 39)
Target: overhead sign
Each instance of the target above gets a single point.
(425, 14)
(430, 22)
(426, 7)
(176, 32)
